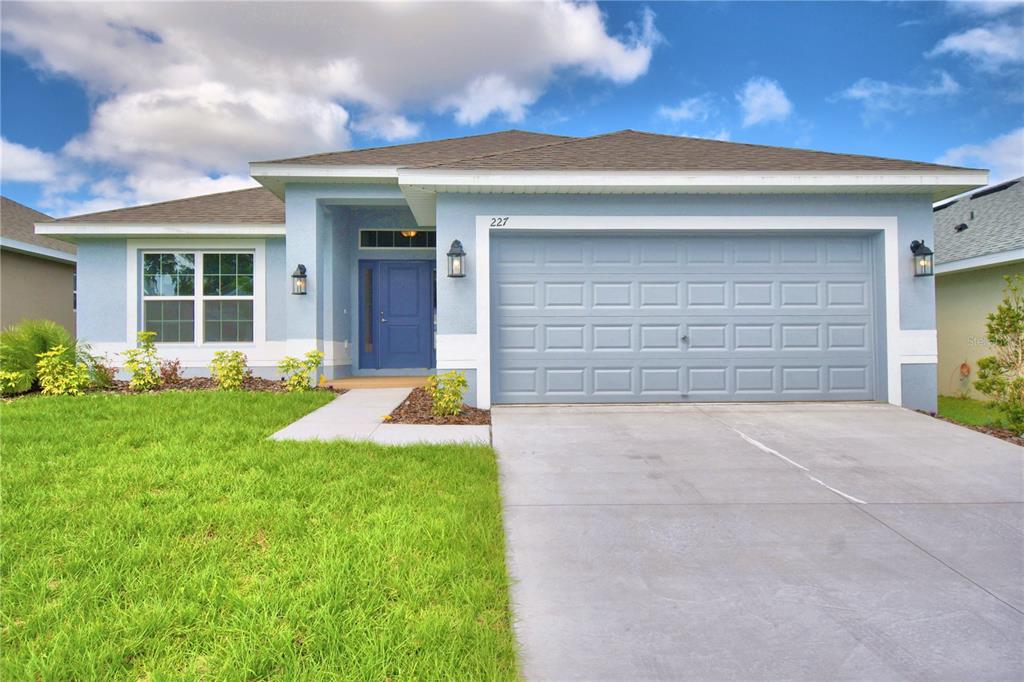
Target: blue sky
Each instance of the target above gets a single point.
(111, 105)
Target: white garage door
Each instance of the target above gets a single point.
(647, 317)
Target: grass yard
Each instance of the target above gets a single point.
(968, 411)
(163, 537)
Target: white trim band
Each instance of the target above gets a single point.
(977, 262)
(161, 230)
(36, 250)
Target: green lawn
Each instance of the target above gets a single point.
(968, 411)
(163, 537)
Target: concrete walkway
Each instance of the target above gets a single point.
(358, 415)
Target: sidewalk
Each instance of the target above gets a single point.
(358, 415)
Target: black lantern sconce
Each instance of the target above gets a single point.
(923, 259)
(456, 260)
(299, 281)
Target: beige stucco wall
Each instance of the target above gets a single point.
(963, 301)
(35, 288)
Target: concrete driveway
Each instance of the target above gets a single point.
(753, 542)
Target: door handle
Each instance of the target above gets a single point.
(684, 338)
(382, 320)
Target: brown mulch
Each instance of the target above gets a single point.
(416, 410)
(1003, 434)
(254, 384)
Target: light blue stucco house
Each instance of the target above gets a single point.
(624, 267)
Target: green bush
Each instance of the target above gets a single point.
(143, 364)
(9, 382)
(60, 376)
(1001, 376)
(229, 369)
(298, 372)
(446, 391)
(21, 345)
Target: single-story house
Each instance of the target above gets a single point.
(624, 267)
(37, 273)
(979, 240)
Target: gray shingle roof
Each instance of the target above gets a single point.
(429, 152)
(17, 222)
(997, 223)
(254, 206)
(630, 150)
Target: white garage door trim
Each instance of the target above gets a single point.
(912, 346)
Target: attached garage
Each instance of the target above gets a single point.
(642, 316)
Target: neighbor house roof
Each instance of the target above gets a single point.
(983, 223)
(426, 153)
(629, 150)
(254, 206)
(17, 225)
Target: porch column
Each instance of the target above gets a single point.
(305, 234)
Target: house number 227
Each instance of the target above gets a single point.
(499, 222)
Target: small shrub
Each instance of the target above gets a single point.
(298, 372)
(21, 345)
(60, 376)
(1001, 376)
(9, 382)
(229, 369)
(102, 372)
(170, 372)
(143, 364)
(446, 391)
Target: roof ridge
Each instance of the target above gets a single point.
(566, 140)
(166, 201)
(409, 144)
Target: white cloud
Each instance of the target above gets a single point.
(204, 87)
(1004, 155)
(691, 109)
(880, 97)
(19, 163)
(763, 100)
(489, 95)
(991, 47)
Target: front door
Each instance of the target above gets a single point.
(397, 302)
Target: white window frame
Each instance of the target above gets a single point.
(137, 248)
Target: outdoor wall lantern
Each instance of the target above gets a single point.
(299, 281)
(923, 266)
(456, 260)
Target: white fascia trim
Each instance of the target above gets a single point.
(639, 180)
(161, 230)
(36, 250)
(273, 170)
(976, 262)
(896, 344)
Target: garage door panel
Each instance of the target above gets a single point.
(603, 318)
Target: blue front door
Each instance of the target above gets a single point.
(397, 302)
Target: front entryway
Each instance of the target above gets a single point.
(396, 326)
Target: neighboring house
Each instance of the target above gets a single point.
(624, 267)
(979, 240)
(37, 274)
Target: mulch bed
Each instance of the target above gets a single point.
(416, 410)
(1003, 434)
(208, 384)
(254, 384)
